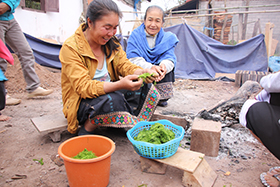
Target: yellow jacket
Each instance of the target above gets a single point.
(78, 68)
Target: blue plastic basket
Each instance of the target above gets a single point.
(156, 151)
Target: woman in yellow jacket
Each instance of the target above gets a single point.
(100, 86)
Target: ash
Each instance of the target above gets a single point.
(235, 142)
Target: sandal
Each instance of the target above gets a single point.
(274, 168)
(263, 180)
(277, 176)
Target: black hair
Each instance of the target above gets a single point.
(154, 7)
(96, 10)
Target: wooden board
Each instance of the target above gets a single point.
(50, 123)
(203, 176)
(184, 159)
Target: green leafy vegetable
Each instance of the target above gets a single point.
(144, 77)
(85, 154)
(40, 161)
(157, 134)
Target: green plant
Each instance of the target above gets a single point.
(33, 4)
(232, 42)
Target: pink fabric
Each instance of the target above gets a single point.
(5, 53)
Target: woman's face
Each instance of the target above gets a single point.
(153, 21)
(104, 29)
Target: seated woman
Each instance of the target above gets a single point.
(150, 47)
(100, 86)
(262, 117)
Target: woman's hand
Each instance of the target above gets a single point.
(131, 82)
(148, 79)
(161, 70)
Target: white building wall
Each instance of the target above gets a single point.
(60, 25)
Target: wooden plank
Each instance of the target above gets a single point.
(273, 46)
(203, 176)
(253, 75)
(197, 172)
(245, 76)
(184, 159)
(238, 75)
(50, 123)
(268, 37)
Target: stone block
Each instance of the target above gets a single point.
(205, 137)
(152, 166)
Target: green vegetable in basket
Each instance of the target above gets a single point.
(85, 154)
(157, 134)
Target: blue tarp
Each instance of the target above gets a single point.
(198, 56)
(45, 53)
(274, 63)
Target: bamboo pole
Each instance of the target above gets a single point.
(216, 14)
(212, 9)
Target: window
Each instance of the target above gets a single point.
(41, 5)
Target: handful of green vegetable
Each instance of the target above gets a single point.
(156, 134)
(85, 154)
(145, 75)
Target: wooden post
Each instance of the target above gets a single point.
(210, 19)
(223, 29)
(256, 28)
(224, 25)
(268, 37)
(240, 27)
(245, 22)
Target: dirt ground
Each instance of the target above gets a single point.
(20, 142)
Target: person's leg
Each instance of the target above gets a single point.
(3, 101)
(18, 43)
(263, 119)
(2, 95)
(165, 88)
(4, 27)
(114, 109)
(143, 101)
(106, 110)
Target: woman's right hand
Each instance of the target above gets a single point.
(131, 82)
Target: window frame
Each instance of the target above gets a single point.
(46, 6)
